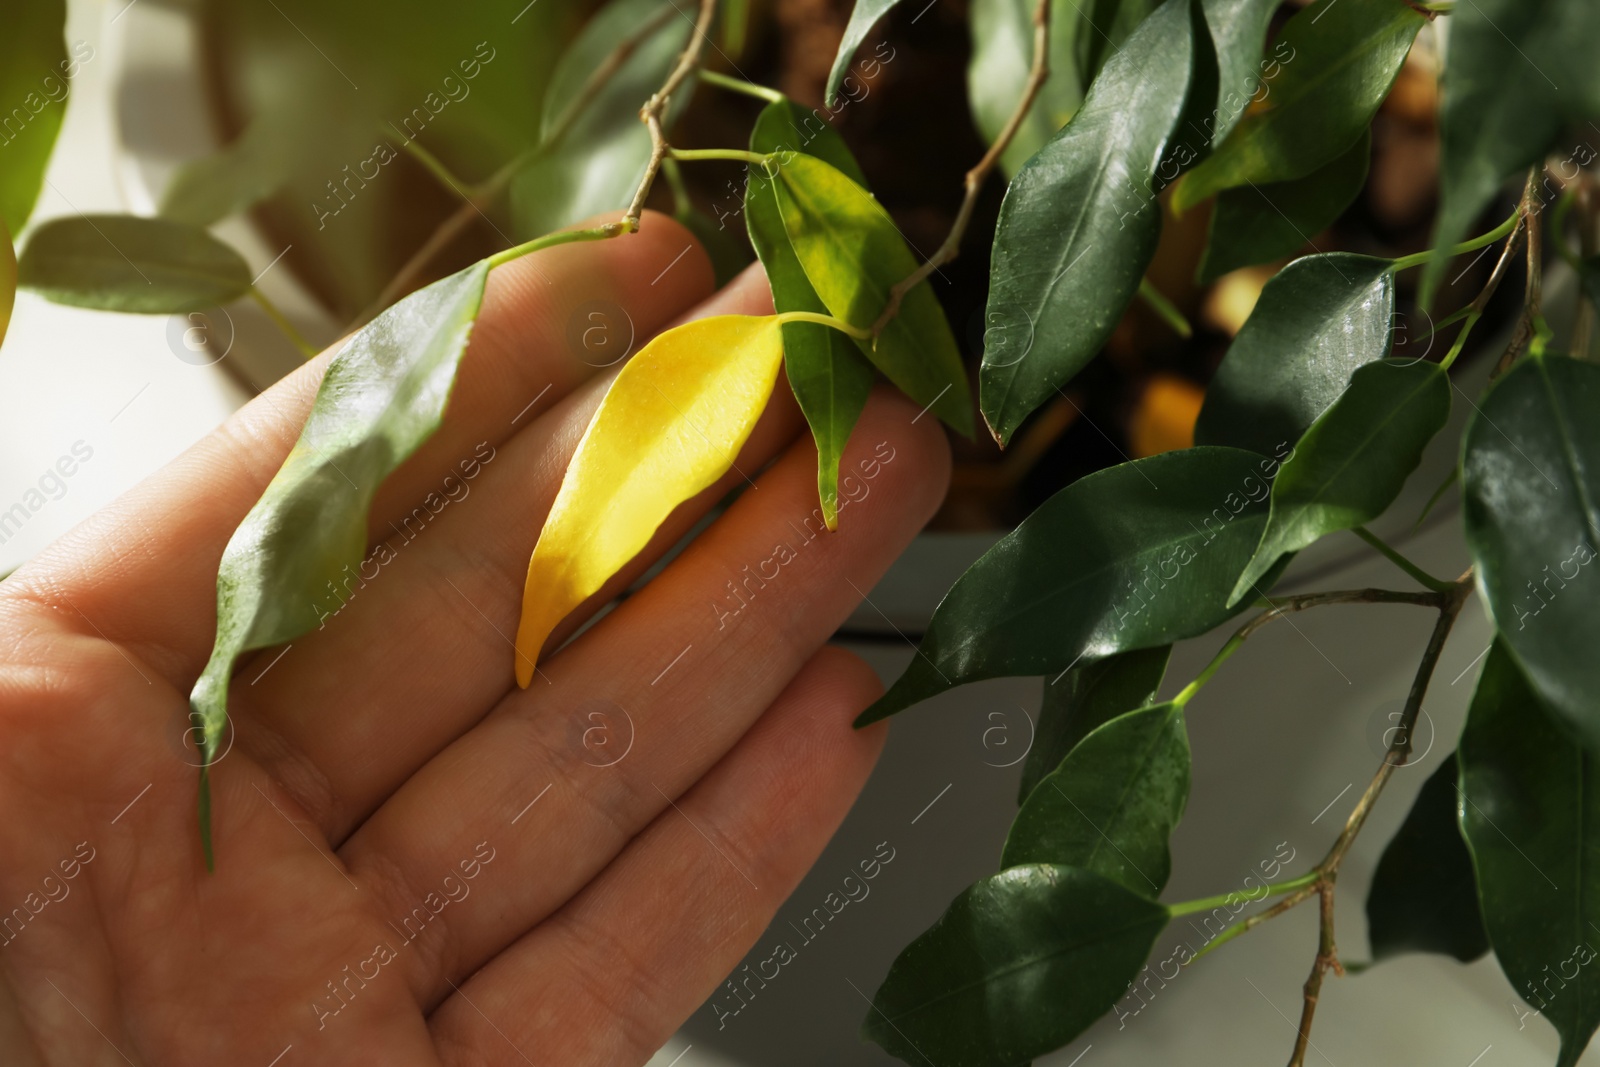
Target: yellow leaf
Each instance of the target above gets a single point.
(670, 426)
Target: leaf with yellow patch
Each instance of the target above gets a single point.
(669, 427)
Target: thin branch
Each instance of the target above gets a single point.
(1530, 207)
(602, 74)
(656, 107)
(975, 177)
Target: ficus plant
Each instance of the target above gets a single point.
(1104, 122)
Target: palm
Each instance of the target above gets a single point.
(416, 862)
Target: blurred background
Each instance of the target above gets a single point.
(298, 104)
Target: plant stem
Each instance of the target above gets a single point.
(560, 237)
(602, 74)
(1438, 585)
(1273, 889)
(1530, 207)
(975, 177)
(307, 349)
(825, 320)
(434, 166)
(1165, 308)
(1251, 922)
(656, 106)
(738, 155)
(1417, 259)
(739, 85)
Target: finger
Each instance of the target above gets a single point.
(142, 571)
(678, 671)
(422, 649)
(609, 977)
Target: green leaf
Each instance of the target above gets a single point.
(1260, 223)
(1501, 109)
(1238, 31)
(1002, 54)
(382, 396)
(595, 163)
(1424, 897)
(1530, 482)
(1530, 812)
(1137, 555)
(727, 253)
(233, 179)
(34, 83)
(853, 255)
(1079, 224)
(1353, 462)
(1018, 965)
(1084, 697)
(130, 263)
(1316, 321)
(1112, 804)
(829, 377)
(8, 280)
(1104, 26)
(863, 17)
(1346, 54)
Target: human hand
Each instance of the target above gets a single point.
(418, 863)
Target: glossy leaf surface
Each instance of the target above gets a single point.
(1530, 813)
(1138, 555)
(1353, 461)
(671, 424)
(853, 254)
(34, 87)
(1530, 477)
(1112, 804)
(1080, 699)
(1259, 223)
(863, 16)
(1079, 224)
(1238, 30)
(1018, 965)
(383, 395)
(830, 378)
(1345, 56)
(1424, 895)
(1316, 321)
(129, 263)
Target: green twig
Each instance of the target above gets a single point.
(826, 320)
(739, 85)
(562, 237)
(738, 155)
(1438, 585)
(1224, 900)
(1417, 259)
(307, 349)
(1165, 308)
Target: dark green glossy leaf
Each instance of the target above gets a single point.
(593, 147)
(382, 396)
(1002, 53)
(1345, 55)
(1353, 461)
(1424, 896)
(1079, 223)
(1316, 321)
(1103, 26)
(1238, 30)
(853, 254)
(1517, 72)
(1078, 700)
(1112, 804)
(1138, 555)
(1530, 482)
(1018, 965)
(235, 178)
(863, 16)
(34, 79)
(1531, 816)
(129, 263)
(1260, 223)
(829, 377)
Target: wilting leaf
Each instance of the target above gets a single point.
(863, 16)
(1018, 965)
(1080, 699)
(1517, 72)
(1346, 54)
(1112, 804)
(33, 98)
(1424, 896)
(1530, 479)
(1002, 54)
(596, 161)
(671, 424)
(1531, 815)
(235, 177)
(853, 254)
(1317, 320)
(8, 280)
(1079, 224)
(1138, 555)
(1259, 223)
(129, 263)
(830, 378)
(382, 396)
(1238, 30)
(1353, 462)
